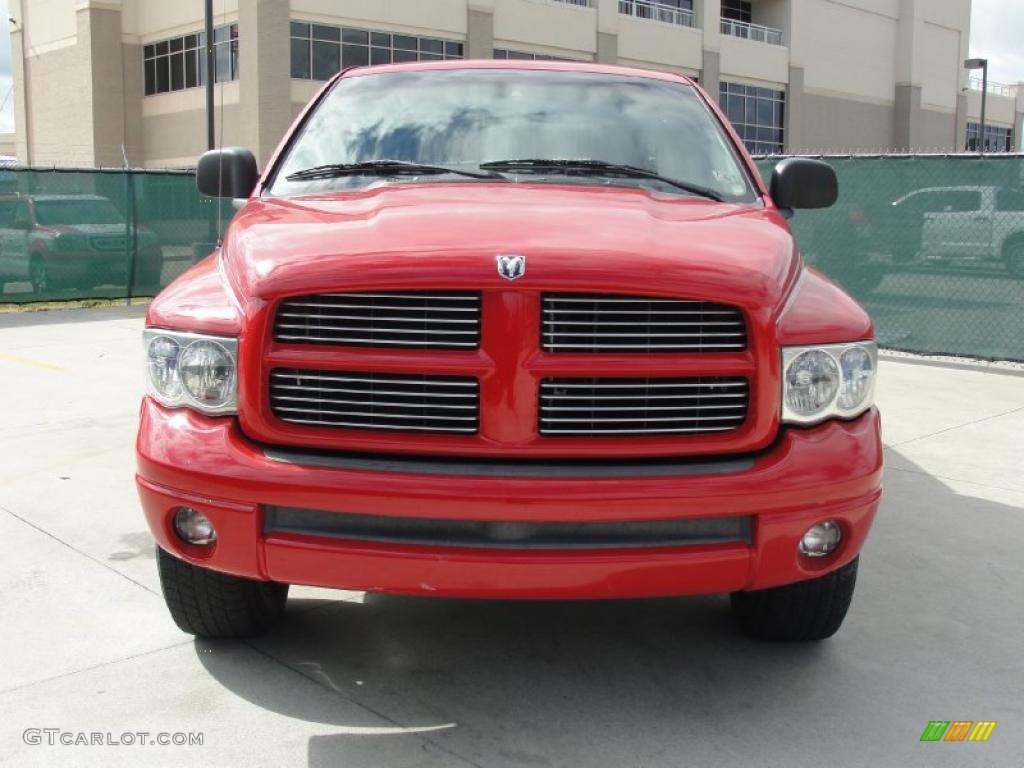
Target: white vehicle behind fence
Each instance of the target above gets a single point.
(968, 223)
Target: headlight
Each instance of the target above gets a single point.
(192, 369)
(827, 381)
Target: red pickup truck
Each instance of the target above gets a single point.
(529, 330)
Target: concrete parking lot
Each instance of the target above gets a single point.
(936, 631)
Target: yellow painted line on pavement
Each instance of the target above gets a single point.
(31, 363)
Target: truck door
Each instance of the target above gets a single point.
(956, 226)
(14, 231)
(18, 238)
(8, 264)
(1007, 219)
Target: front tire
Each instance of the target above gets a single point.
(211, 604)
(805, 611)
(39, 276)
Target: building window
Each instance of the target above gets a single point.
(505, 53)
(179, 63)
(757, 114)
(997, 139)
(737, 10)
(320, 51)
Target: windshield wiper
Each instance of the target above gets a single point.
(384, 168)
(598, 168)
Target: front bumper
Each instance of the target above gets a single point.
(832, 471)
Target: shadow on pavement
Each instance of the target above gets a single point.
(934, 632)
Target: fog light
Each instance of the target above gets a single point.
(194, 527)
(821, 539)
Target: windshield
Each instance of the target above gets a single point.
(462, 118)
(71, 212)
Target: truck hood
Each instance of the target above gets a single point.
(448, 235)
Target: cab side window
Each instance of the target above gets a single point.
(1010, 200)
(959, 201)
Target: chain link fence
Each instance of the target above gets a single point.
(932, 246)
(96, 233)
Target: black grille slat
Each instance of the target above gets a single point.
(411, 320)
(597, 323)
(506, 534)
(613, 407)
(375, 401)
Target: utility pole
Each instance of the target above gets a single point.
(211, 69)
(984, 98)
(981, 64)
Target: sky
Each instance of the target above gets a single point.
(6, 94)
(997, 33)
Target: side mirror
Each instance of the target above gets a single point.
(799, 182)
(228, 172)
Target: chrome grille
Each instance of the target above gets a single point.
(406, 402)
(579, 322)
(436, 320)
(642, 406)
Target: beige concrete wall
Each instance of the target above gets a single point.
(46, 24)
(774, 13)
(157, 19)
(58, 89)
(941, 66)
(607, 48)
(792, 125)
(758, 61)
(661, 44)
(832, 123)
(710, 75)
(937, 132)
(479, 33)
(831, 42)
(134, 87)
(23, 126)
(173, 125)
(304, 90)
(264, 91)
(8, 144)
(961, 121)
(551, 24)
(908, 117)
(177, 139)
(444, 17)
(108, 85)
(999, 110)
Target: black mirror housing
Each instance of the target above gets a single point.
(228, 172)
(800, 182)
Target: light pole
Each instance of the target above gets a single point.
(211, 68)
(981, 64)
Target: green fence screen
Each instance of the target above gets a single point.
(79, 234)
(932, 246)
